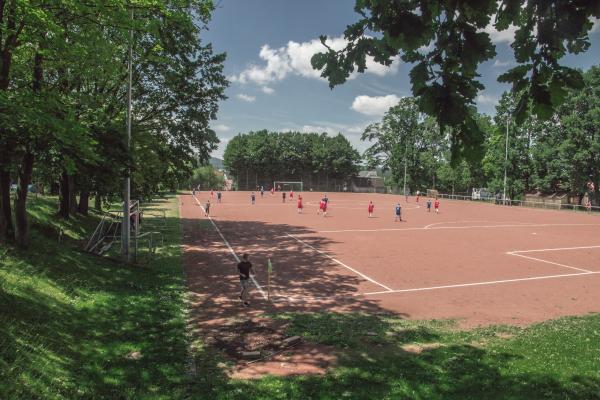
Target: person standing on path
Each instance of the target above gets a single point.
(371, 208)
(244, 270)
(398, 212)
(437, 206)
(253, 198)
(207, 208)
(300, 204)
(218, 196)
(428, 205)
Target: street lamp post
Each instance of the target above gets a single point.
(125, 227)
(505, 162)
(405, 161)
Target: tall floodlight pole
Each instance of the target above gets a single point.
(505, 161)
(125, 228)
(405, 161)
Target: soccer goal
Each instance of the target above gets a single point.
(432, 193)
(287, 186)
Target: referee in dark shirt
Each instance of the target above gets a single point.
(244, 270)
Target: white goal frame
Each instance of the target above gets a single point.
(275, 183)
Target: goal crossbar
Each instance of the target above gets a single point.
(295, 185)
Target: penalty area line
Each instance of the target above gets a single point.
(547, 262)
(477, 284)
(340, 263)
(260, 289)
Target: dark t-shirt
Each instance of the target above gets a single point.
(244, 268)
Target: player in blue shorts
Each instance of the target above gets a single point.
(398, 212)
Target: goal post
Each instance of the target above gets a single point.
(296, 186)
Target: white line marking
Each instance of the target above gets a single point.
(478, 283)
(454, 227)
(555, 249)
(262, 292)
(340, 263)
(548, 262)
(471, 221)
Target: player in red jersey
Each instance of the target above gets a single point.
(300, 206)
(371, 208)
(436, 205)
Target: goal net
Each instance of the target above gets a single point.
(287, 186)
(432, 193)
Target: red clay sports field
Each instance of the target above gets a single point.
(478, 263)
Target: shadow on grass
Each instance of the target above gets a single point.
(383, 367)
(73, 325)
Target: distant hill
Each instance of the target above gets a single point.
(216, 162)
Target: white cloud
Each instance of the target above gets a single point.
(486, 99)
(506, 36)
(331, 128)
(501, 64)
(319, 129)
(222, 128)
(374, 106)
(267, 90)
(245, 97)
(596, 26)
(294, 59)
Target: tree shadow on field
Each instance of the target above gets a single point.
(302, 280)
(379, 354)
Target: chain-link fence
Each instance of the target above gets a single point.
(524, 203)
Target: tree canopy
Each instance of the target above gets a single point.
(561, 154)
(445, 42)
(262, 157)
(63, 90)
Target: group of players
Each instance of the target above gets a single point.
(323, 203)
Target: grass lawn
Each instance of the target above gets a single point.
(74, 326)
(71, 323)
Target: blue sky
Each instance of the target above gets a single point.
(269, 44)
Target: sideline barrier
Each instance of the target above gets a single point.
(523, 203)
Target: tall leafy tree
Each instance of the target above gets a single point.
(566, 155)
(446, 42)
(63, 89)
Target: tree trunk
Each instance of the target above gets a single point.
(22, 230)
(72, 195)
(6, 226)
(98, 202)
(63, 203)
(84, 201)
(54, 189)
